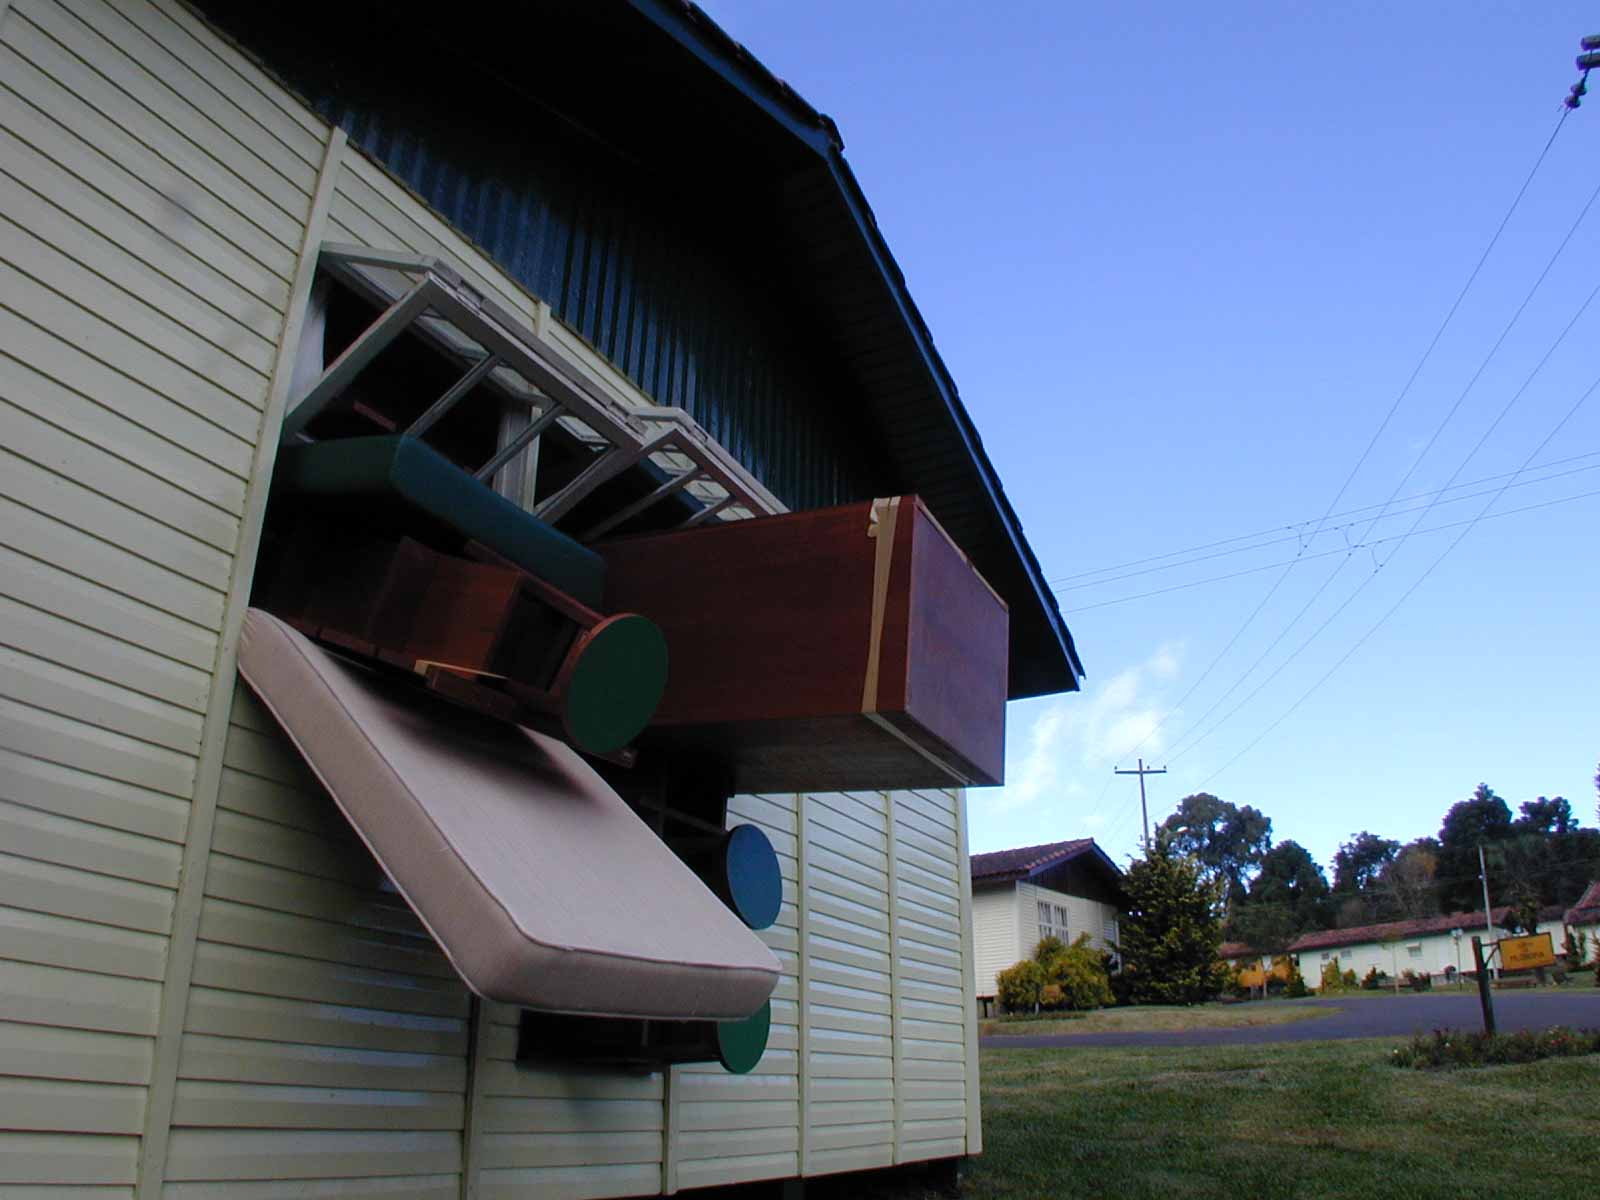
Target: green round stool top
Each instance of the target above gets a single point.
(614, 687)
(740, 1044)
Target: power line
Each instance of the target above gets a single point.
(1378, 566)
(1383, 425)
(1350, 549)
(1401, 539)
(1404, 596)
(1495, 349)
(1278, 541)
(1349, 512)
(1454, 306)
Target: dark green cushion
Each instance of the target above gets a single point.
(383, 471)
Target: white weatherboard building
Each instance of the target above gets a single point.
(1061, 889)
(1584, 917)
(1436, 946)
(208, 985)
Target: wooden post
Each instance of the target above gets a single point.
(1485, 996)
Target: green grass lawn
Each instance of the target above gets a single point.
(1312, 1119)
(1574, 983)
(1154, 1018)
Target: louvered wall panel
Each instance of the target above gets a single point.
(326, 1036)
(933, 1012)
(850, 1048)
(153, 197)
(732, 1128)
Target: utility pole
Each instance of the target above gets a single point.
(1483, 876)
(1144, 809)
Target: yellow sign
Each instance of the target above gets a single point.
(1520, 953)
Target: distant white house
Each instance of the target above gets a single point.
(1584, 917)
(1019, 896)
(1439, 946)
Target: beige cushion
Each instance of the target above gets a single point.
(541, 885)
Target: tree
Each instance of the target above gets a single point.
(1481, 820)
(1522, 912)
(1227, 841)
(1407, 883)
(1173, 927)
(1546, 818)
(1360, 861)
(1556, 865)
(1267, 928)
(1358, 866)
(1483, 817)
(1287, 897)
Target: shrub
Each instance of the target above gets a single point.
(1296, 987)
(1019, 986)
(1050, 996)
(1047, 949)
(1350, 979)
(1080, 973)
(1449, 1048)
(1332, 979)
(1417, 981)
(1577, 948)
(1373, 979)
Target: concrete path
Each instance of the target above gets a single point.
(1394, 1016)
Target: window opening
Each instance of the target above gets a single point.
(411, 348)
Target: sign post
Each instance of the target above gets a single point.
(1485, 996)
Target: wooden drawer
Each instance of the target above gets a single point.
(851, 647)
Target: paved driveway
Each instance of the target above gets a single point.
(1395, 1016)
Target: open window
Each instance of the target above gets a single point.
(533, 634)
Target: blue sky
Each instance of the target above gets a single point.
(1181, 260)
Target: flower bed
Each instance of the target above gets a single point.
(1447, 1048)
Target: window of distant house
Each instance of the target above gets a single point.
(1326, 955)
(1344, 953)
(1047, 926)
(1414, 951)
(1061, 922)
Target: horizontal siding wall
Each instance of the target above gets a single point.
(561, 1133)
(153, 196)
(994, 934)
(326, 1037)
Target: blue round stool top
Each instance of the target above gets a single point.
(755, 884)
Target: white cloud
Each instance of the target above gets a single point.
(1079, 737)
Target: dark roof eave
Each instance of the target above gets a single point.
(690, 26)
(939, 375)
